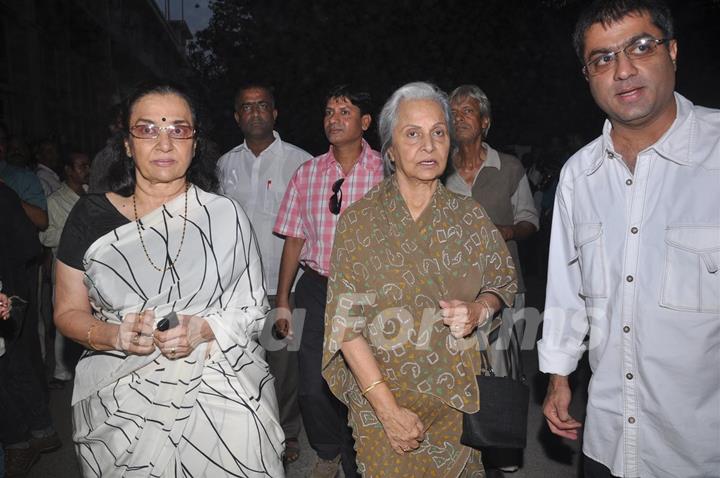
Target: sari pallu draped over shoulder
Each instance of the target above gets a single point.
(388, 275)
(212, 413)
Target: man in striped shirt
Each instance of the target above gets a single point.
(317, 194)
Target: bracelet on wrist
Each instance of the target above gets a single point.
(488, 312)
(89, 337)
(372, 385)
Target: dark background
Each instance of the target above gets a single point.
(64, 63)
(519, 53)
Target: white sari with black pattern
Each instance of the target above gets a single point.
(213, 413)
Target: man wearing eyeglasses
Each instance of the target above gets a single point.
(634, 259)
(256, 174)
(318, 193)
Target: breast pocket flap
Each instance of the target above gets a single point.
(691, 280)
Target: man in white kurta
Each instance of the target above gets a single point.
(634, 260)
(256, 174)
(60, 203)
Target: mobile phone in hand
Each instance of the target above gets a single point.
(168, 322)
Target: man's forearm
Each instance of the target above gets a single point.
(38, 216)
(289, 263)
(562, 380)
(521, 230)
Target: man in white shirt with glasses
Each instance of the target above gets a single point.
(256, 174)
(634, 259)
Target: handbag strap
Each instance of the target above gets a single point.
(513, 360)
(514, 343)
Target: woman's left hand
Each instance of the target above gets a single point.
(182, 339)
(463, 317)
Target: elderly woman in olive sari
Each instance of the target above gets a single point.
(415, 271)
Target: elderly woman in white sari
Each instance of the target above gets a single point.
(161, 281)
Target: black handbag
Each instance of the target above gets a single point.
(502, 419)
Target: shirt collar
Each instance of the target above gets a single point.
(275, 145)
(67, 190)
(45, 168)
(673, 145)
(328, 161)
(492, 158)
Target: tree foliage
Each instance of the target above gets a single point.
(520, 53)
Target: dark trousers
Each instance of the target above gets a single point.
(594, 469)
(284, 366)
(324, 416)
(23, 403)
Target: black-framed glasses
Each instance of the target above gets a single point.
(336, 198)
(643, 47)
(151, 131)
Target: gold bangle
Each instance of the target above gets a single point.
(372, 385)
(488, 311)
(89, 337)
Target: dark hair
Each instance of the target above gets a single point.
(607, 12)
(357, 97)
(68, 155)
(122, 172)
(254, 84)
(67, 158)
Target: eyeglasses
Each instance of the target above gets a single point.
(151, 131)
(336, 198)
(637, 50)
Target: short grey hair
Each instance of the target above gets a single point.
(474, 91)
(418, 90)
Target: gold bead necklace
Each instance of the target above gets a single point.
(182, 239)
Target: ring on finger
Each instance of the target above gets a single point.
(172, 353)
(136, 339)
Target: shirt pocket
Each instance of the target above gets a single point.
(691, 280)
(591, 259)
(274, 193)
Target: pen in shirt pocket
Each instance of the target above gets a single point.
(269, 183)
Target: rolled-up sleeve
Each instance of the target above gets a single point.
(523, 205)
(565, 322)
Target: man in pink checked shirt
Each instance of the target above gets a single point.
(317, 194)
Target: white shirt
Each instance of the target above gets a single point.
(60, 203)
(48, 178)
(522, 202)
(258, 183)
(634, 261)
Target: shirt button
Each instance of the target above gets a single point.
(628, 182)
(629, 278)
(631, 420)
(634, 230)
(629, 376)
(626, 329)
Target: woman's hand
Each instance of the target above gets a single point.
(135, 333)
(403, 428)
(182, 339)
(464, 317)
(5, 306)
